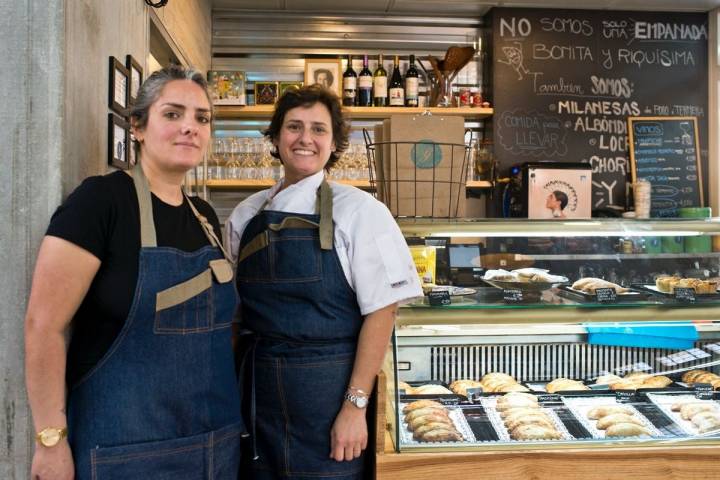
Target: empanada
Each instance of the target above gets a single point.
(659, 381)
(422, 429)
(534, 432)
(421, 404)
(441, 435)
(530, 420)
(431, 389)
(430, 418)
(609, 420)
(625, 430)
(689, 410)
(461, 386)
(420, 412)
(604, 410)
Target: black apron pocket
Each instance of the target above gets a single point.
(186, 307)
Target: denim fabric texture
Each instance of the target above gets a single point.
(163, 402)
(305, 318)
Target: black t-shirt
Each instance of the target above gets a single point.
(102, 216)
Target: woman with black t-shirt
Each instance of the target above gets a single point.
(136, 269)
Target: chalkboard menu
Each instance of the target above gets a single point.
(664, 151)
(564, 83)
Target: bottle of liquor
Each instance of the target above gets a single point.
(365, 84)
(349, 84)
(380, 90)
(396, 91)
(411, 84)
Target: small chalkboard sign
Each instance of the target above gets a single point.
(703, 391)
(665, 151)
(605, 295)
(473, 392)
(449, 401)
(512, 295)
(438, 299)
(547, 398)
(684, 294)
(625, 396)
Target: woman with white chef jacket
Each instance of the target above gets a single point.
(321, 269)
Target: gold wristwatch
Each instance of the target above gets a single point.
(49, 437)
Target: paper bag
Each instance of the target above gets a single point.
(426, 179)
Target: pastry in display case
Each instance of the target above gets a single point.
(555, 350)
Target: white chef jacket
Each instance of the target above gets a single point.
(372, 251)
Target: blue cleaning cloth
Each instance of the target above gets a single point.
(676, 335)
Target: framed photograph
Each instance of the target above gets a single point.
(135, 72)
(266, 93)
(289, 86)
(227, 87)
(324, 71)
(118, 87)
(118, 142)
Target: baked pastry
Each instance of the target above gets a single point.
(405, 386)
(605, 410)
(516, 413)
(565, 384)
(626, 430)
(706, 421)
(419, 431)
(689, 377)
(542, 420)
(421, 404)
(659, 381)
(515, 402)
(519, 411)
(591, 284)
(431, 389)
(605, 422)
(689, 410)
(429, 418)
(421, 412)
(666, 283)
(534, 432)
(440, 435)
(607, 379)
(626, 384)
(461, 386)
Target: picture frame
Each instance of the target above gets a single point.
(266, 93)
(118, 87)
(289, 86)
(135, 73)
(325, 71)
(118, 142)
(227, 87)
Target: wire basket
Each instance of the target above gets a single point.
(430, 182)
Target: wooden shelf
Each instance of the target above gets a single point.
(227, 112)
(258, 184)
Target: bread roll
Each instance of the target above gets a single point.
(625, 430)
(605, 410)
(421, 404)
(609, 420)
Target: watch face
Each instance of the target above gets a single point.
(50, 437)
(361, 402)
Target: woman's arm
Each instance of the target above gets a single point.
(349, 433)
(62, 277)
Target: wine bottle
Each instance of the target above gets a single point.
(349, 84)
(365, 84)
(396, 91)
(411, 84)
(380, 90)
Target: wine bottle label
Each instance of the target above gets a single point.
(411, 87)
(380, 86)
(365, 81)
(397, 97)
(349, 83)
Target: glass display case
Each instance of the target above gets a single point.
(570, 342)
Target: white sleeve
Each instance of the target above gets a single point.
(381, 266)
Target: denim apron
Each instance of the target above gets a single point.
(305, 321)
(163, 402)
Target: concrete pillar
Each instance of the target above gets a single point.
(31, 116)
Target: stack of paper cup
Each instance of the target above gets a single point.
(641, 192)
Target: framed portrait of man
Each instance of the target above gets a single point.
(324, 71)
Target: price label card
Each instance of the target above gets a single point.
(713, 347)
(625, 396)
(438, 299)
(666, 361)
(697, 353)
(606, 295)
(685, 294)
(547, 398)
(474, 392)
(512, 295)
(703, 391)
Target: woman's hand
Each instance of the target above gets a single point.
(349, 436)
(53, 463)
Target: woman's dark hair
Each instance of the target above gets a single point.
(151, 89)
(307, 97)
(562, 198)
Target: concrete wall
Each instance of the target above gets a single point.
(54, 118)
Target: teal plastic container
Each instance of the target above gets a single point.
(700, 243)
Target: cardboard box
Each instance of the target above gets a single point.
(426, 173)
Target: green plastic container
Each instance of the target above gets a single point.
(699, 243)
(653, 245)
(673, 244)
